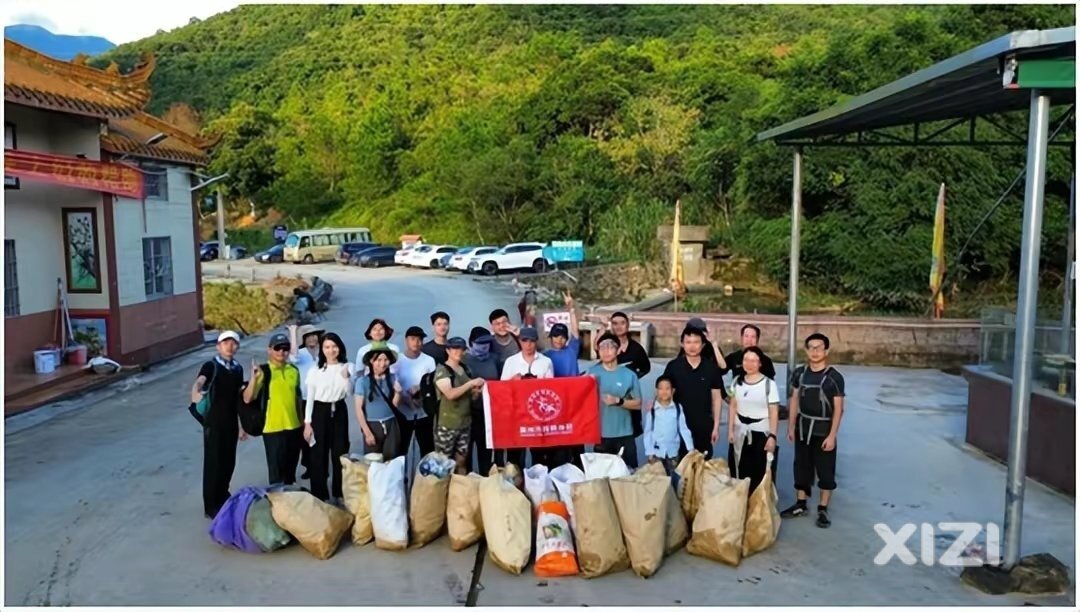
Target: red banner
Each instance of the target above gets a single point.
(542, 412)
(74, 172)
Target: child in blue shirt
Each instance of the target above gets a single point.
(667, 436)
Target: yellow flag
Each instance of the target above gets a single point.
(937, 266)
(677, 281)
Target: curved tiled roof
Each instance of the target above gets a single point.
(128, 136)
(36, 80)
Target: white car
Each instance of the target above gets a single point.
(460, 260)
(517, 256)
(428, 256)
(417, 254)
(403, 254)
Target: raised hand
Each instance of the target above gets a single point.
(568, 299)
(256, 371)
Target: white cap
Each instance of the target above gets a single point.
(228, 335)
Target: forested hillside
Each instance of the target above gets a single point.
(500, 123)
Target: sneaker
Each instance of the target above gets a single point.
(798, 509)
(823, 518)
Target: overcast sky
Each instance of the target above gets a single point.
(120, 21)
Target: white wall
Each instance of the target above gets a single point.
(159, 219)
(32, 216)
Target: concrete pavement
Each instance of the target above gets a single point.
(103, 503)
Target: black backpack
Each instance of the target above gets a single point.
(429, 393)
(253, 415)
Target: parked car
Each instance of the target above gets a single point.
(209, 251)
(354, 259)
(402, 254)
(378, 257)
(444, 261)
(517, 256)
(347, 250)
(460, 260)
(419, 254)
(275, 254)
(433, 257)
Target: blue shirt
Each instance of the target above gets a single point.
(376, 409)
(564, 361)
(665, 427)
(620, 382)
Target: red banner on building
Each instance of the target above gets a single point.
(74, 172)
(542, 412)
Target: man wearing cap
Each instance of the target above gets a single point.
(223, 378)
(456, 390)
(480, 362)
(620, 394)
(565, 348)
(410, 367)
(440, 327)
(305, 356)
(709, 352)
(529, 363)
(280, 400)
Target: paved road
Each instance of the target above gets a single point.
(103, 504)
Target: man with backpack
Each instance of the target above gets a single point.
(410, 370)
(275, 391)
(215, 400)
(816, 405)
(456, 390)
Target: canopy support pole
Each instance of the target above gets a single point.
(1027, 302)
(1066, 310)
(793, 263)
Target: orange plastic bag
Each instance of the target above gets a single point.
(554, 544)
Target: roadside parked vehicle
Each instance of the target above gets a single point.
(444, 261)
(432, 258)
(349, 249)
(419, 254)
(354, 259)
(460, 260)
(209, 251)
(517, 256)
(309, 246)
(275, 254)
(378, 257)
(402, 254)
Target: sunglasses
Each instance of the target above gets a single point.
(280, 348)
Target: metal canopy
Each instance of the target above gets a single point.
(962, 87)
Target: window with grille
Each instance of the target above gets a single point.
(157, 267)
(155, 182)
(11, 281)
(10, 182)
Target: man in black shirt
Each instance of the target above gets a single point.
(223, 378)
(709, 352)
(748, 336)
(699, 389)
(816, 405)
(436, 347)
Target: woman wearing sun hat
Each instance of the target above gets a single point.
(376, 398)
(305, 356)
(378, 335)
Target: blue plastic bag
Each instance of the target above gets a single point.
(229, 527)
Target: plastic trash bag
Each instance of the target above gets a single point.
(389, 521)
(507, 516)
(464, 522)
(762, 516)
(229, 527)
(603, 465)
(537, 484)
(316, 524)
(721, 521)
(562, 477)
(641, 501)
(554, 542)
(261, 527)
(354, 487)
(427, 500)
(598, 534)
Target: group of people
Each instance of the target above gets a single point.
(430, 391)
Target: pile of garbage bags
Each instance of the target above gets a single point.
(597, 521)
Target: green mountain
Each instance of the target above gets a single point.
(494, 123)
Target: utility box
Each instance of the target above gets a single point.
(692, 239)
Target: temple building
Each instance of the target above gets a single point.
(99, 220)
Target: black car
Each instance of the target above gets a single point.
(275, 254)
(378, 257)
(349, 249)
(209, 251)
